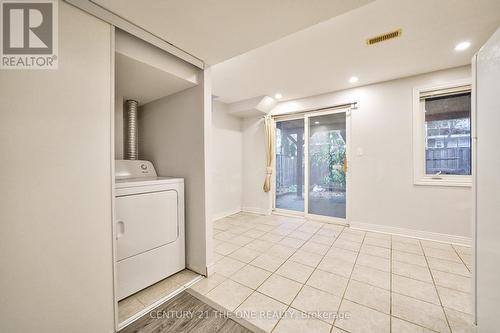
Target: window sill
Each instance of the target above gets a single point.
(444, 181)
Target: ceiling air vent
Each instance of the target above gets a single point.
(384, 37)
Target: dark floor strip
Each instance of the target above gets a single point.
(184, 313)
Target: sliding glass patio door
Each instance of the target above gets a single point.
(327, 147)
(289, 161)
(311, 164)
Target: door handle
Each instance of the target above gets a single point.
(120, 229)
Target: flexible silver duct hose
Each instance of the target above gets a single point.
(131, 132)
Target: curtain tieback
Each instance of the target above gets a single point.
(269, 171)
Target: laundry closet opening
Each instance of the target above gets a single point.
(159, 187)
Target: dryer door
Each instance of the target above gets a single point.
(146, 221)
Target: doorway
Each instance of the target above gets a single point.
(311, 160)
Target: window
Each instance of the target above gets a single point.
(442, 126)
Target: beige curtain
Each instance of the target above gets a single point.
(269, 128)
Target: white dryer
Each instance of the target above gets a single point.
(149, 226)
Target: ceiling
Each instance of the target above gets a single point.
(321, 58)
(216, 30)
(301, 48)
(145, 83)
(145, 73)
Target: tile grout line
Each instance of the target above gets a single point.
(408, 263)
(246, 264)
(253, 239)
(315, 268)
(421, 300)
(435, 287)
(303, 284)
(349, 279)
(391, 292)
(419, 325)
(249, 264)
(461, 259)
(428, 266)
(410, 278)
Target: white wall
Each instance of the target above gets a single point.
(55, 212)
(153, 56)
(227, 162)
(172, 136)
(382, 189)
(488, 185)
(118, 125)
(148, 73)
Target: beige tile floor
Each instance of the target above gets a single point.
(137, 302)
(287, 274)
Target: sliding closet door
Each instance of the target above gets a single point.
(55, 211)
(327, 152)
(289, 194)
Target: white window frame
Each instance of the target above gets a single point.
(419, 176)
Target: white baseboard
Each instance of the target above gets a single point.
(226, 213)
(420, 234)
(210, 269)
(256, 210)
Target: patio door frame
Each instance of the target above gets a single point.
(305, 116)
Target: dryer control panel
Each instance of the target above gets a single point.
(134, 169)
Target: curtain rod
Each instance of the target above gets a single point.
(352, 105)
